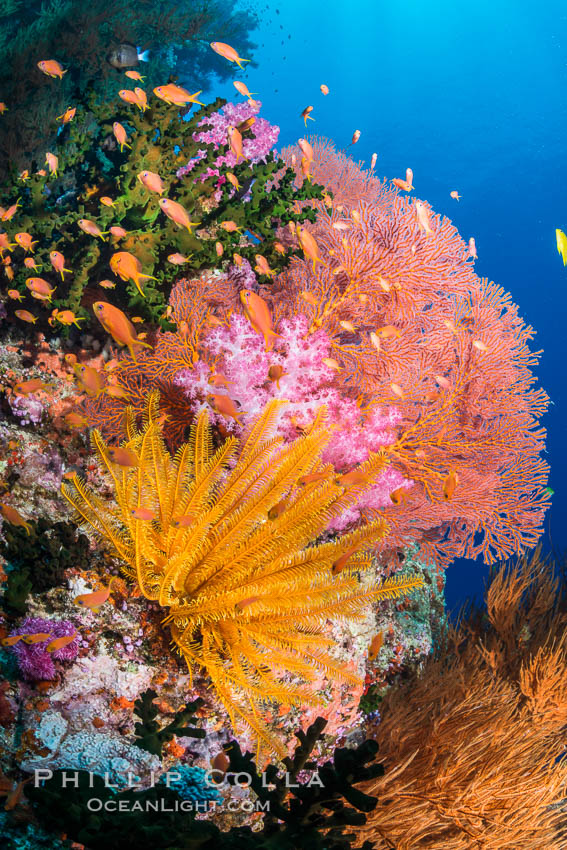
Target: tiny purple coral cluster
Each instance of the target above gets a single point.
(28, 410)
(240, 356)
(255, 149)
(34, 661)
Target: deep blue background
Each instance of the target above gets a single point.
(472, 97)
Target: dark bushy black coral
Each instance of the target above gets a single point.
(149, 736)
(316, 817)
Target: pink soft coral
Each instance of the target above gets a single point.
(307, 382)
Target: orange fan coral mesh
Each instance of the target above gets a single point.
(248, 597)
(412, 324)
(193, 306)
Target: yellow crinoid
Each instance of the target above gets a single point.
(248, 596)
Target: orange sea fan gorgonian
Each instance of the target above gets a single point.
(412, 324)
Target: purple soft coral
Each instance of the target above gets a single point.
(27, 409)
(255, 149)
(34, 661)
(241, 357)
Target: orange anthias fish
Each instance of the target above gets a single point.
(177, 213)
(120, 135)
(373, 161)
(258, 314)
(305, 168)
(230, 227)
(52, 163)
(66, 317)
(30, 263)
(117, 324)
(262, 266)
(355, 137)
(26, 316)
(13, 516)
(123, 457)
(91, 228)
(38, 637)
(375, 645)
(68, 115)
(8, 215)
(34, 385)
(10, 641)
(60, 642)
(423, 218)
(306, 149)
(245, 125)
(324, 88)
(17, 296)
(5, 244)
(129, 96)
(242, 89)
(75, 420)
(58, 263)
(135, 75)
(228, 52)
(89, 380)
(117, 232)
(454, 194)
(51, 68)
(308, 245)
(406, 184)
(276, 372)
(235, 141)
(398, 495)
(25, 241)
(472, 248)
(151, 181)
(450, 485)
(117, 392)
(233, 180)
(183, 521)
(178, 259)
(40, 287)
(143, 514)
(177, 96)
(306, 114)
(225, 405)
(106, 201)
(128, 267)
(341, 562)
(107, 284)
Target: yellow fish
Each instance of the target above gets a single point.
(562, 245)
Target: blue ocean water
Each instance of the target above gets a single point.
(471, 97)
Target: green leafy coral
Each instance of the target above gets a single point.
(91, 165)
(81, 35)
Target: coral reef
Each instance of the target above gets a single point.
(319, 815)
(82, 37)
(101, 190)
(177, 536)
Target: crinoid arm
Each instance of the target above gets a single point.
(248, 598)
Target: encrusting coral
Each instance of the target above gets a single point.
(229, 545)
